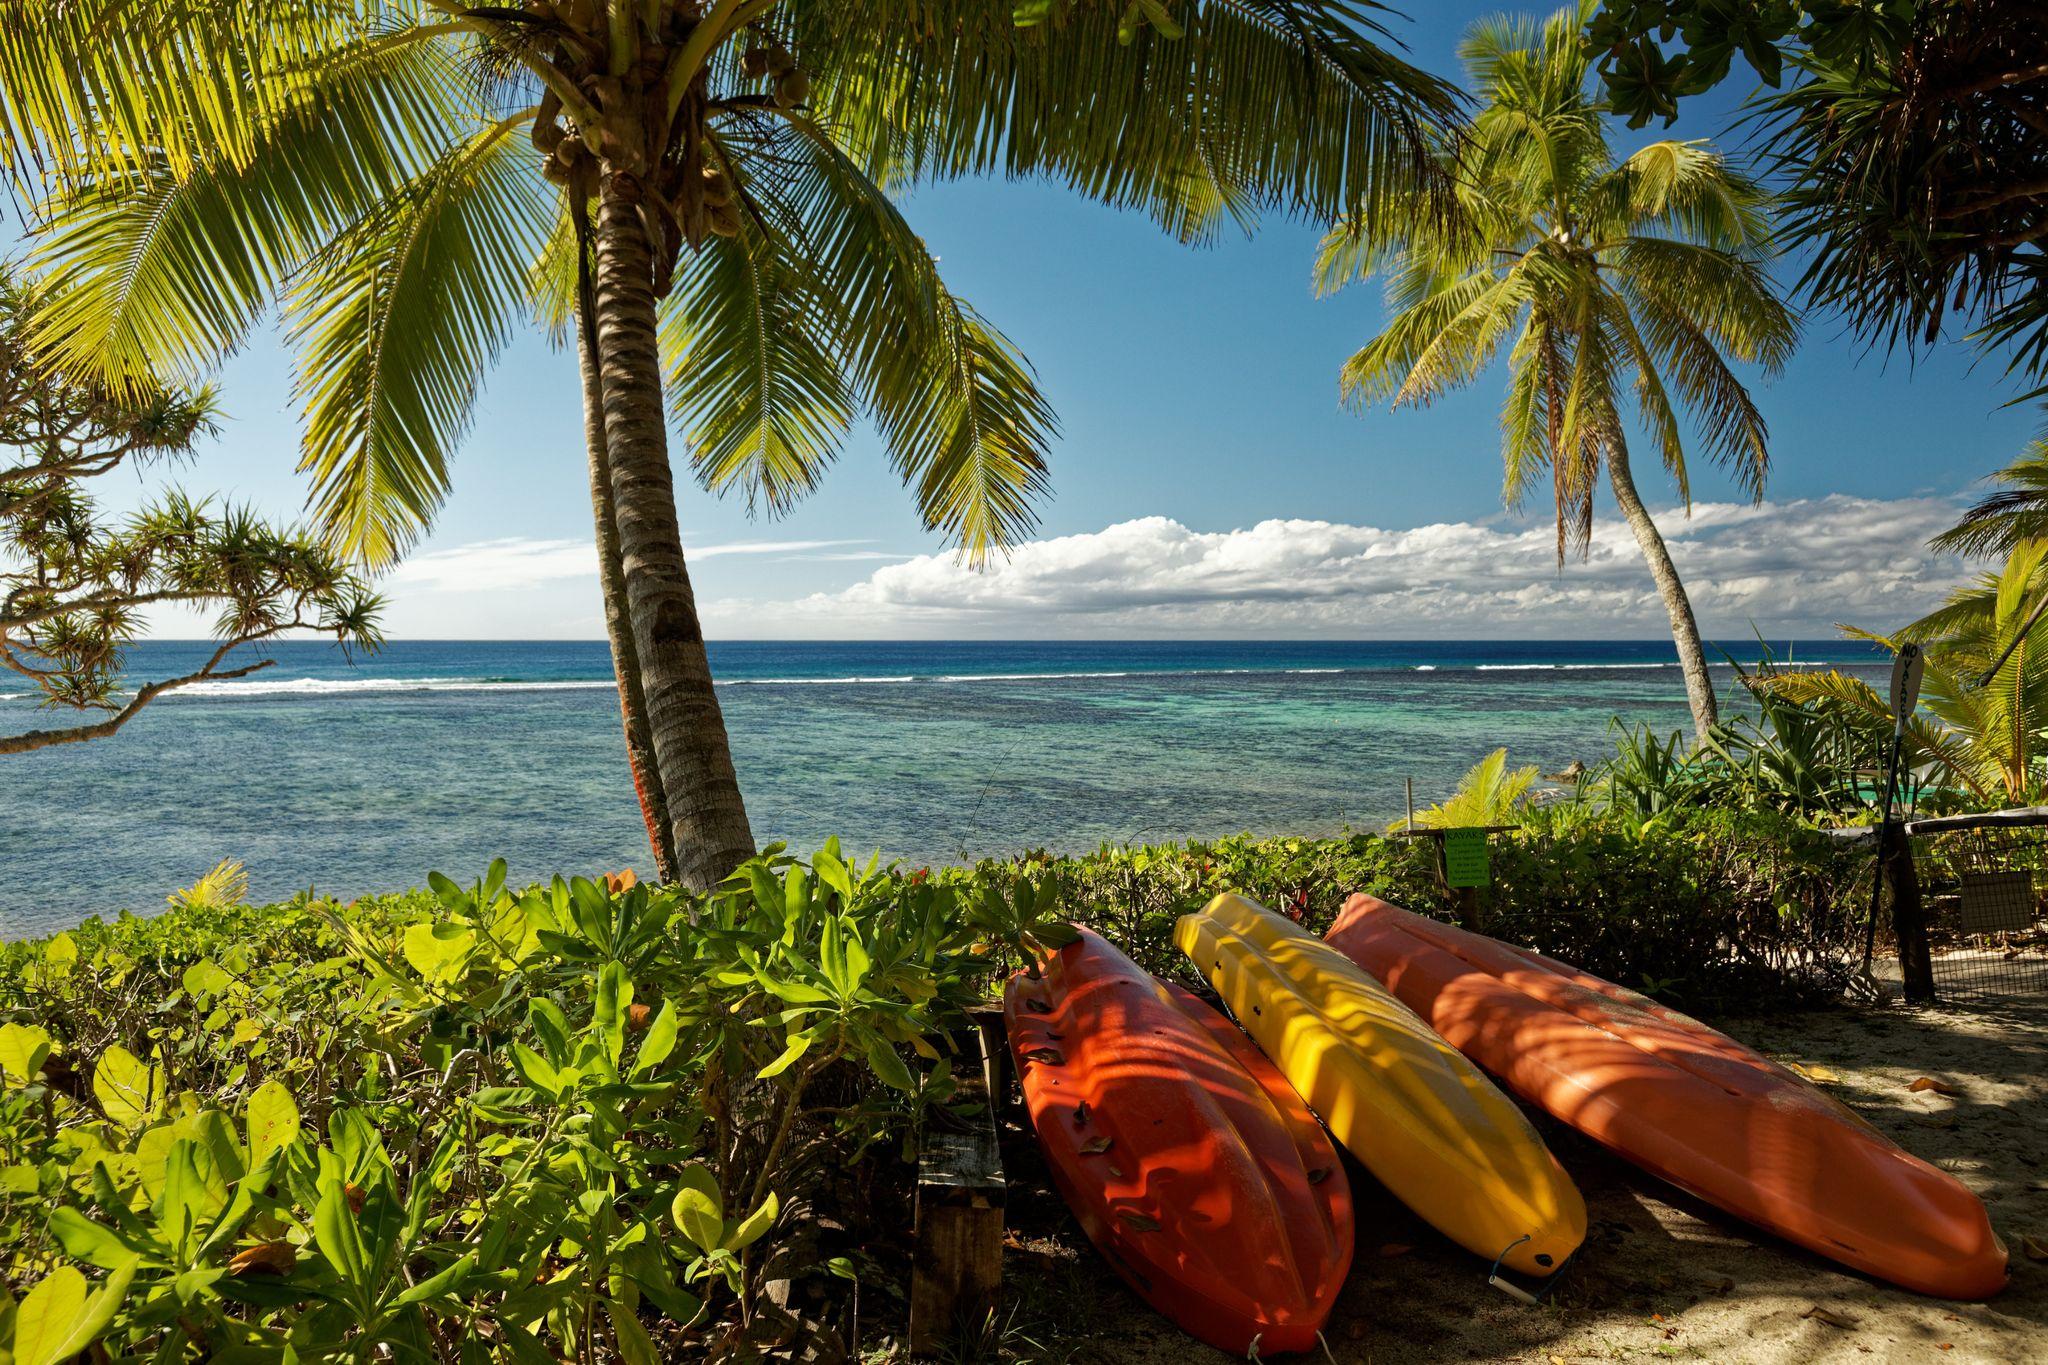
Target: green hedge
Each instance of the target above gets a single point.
(1708, 910)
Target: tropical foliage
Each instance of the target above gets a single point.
(1655, 53)
(1598, 276)
(75, 583)
(1985, 694)
(1907, 137)
(723, 222)
(1489, 794)
(480, 1124)
(2001, 521)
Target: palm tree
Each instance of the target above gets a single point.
(1488, 794)
(1985, 690)
(723, 215)
(1596, 275)
(2001, 521)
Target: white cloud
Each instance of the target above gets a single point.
(1783, 567)
(520, 562)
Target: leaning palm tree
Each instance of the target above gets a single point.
(719, 174)
(1597, 276)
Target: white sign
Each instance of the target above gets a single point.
(1907, 667)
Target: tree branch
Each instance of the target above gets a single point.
(149, 692)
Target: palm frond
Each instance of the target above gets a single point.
(163, 268)
(1259, 106)
(754, 372)
(396, 324)
(1999, 522)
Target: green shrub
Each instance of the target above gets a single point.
(553, 1124)
(1708, 909)
(592, 1123)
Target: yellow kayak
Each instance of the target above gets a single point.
(1421, 1117)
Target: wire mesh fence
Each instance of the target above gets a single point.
(1987, 919)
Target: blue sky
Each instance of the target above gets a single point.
(1197, 392)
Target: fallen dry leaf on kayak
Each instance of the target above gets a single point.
(1116, 1170)
(2033, 1247)
(1081, 1113)
(1049, 1055)
(1096, 1146)
(1318, 1175)
(1930, 1083)
(1138, 1221)
(1830, 1317)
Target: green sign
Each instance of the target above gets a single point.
(1465, 858)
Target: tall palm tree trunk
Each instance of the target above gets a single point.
(692, 756)
(618, 629)
(1685, 631)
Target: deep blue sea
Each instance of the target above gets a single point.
(362, 775)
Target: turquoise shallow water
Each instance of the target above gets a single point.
(363, 776)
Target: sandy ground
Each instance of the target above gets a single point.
(1660, 1275)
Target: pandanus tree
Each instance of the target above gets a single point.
(1597, 275)
(704, 188)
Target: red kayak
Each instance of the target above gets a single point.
(1684, 1102)
(1188, 1159)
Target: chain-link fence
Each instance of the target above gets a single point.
(1987, 920)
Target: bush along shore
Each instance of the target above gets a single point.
(591, 1120)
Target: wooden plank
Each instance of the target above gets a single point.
(956, 1268)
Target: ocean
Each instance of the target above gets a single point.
(356, 776)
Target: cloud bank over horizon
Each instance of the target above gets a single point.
(1784, 568)
(1791, 568)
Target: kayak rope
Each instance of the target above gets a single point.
(1509, 1287)
(1251, 1352)
(1328, 1354)
(1515, 1291)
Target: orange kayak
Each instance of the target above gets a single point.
(1188, 1159)
(1684, 1102)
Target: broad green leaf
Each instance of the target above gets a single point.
(750, 1229)
(614, 997)
(61, 953)
(334, 1230)
(536, 1071)
(129, 1090)
(699, 1208)
(436, 950)
(552, 1025)
(799, 1043)
(60, 1318)
(438, 1284)
(888, 1066)
(832, 873)
(205, 979)
(23, 1050)
(635, 1346)
(697, 1214)
(48, 1316)
(85, 1240)
(660, 1039)
(273, 1119)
